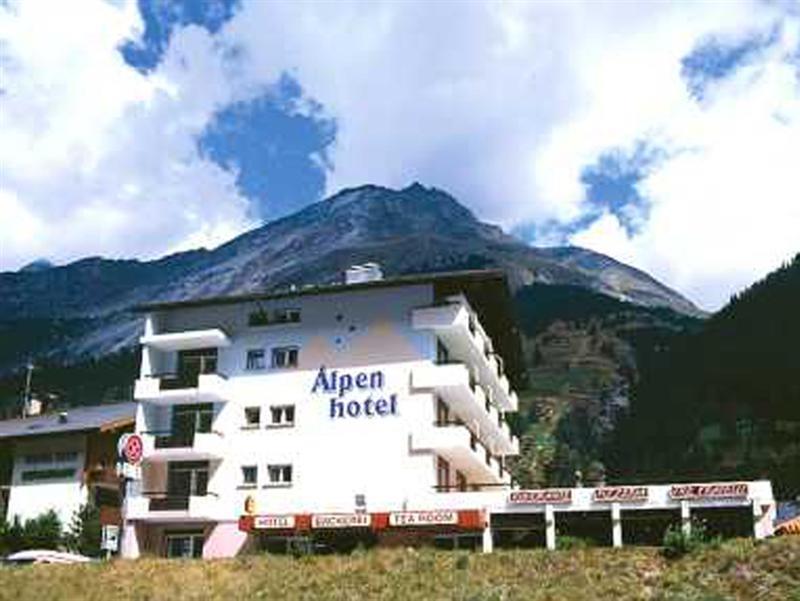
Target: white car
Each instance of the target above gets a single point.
(44, 556)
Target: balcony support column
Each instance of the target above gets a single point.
(549, 527)
(488, 540)
(616, 525)
(686, 518)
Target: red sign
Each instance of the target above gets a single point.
(273, 522)
(721, 490)
(341, 520)
(620, 494)
(545, 496)
(132, 449)
(423, 518)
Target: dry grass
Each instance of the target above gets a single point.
(740, 569)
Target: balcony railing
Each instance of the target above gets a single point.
(164, 501)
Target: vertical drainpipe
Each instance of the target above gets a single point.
(549, 527)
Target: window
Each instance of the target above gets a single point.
(187, 478)
(66, 457)
(442, 354)
(442, 474)
(285, 356)
(287, 315)
(249, 475)
(184, 545)
(39, 459)
(442, 412)
(282, 415)
(263, 317)
(461, 482)
(256, 359)
(252, 417)
(258, 318)
(279, 475)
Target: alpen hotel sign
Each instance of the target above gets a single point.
(358, 394)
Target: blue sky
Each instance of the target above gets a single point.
(663, 135)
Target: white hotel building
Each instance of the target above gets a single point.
(371, 411)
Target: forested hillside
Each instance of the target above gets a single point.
(723, 401)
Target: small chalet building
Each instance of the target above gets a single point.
(62, 461)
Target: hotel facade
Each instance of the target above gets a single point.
(374, 411)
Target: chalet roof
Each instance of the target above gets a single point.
(78, 419)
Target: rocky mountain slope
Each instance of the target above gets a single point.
(84, 308)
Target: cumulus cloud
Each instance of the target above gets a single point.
(506, 105)
(97, 158)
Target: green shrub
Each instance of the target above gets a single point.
(43, 531)
(677, 543)
(85, 531)
(573, 542)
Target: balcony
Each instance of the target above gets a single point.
(458, 328)
(465, 453)
(171, 388)
(159, 506)
(169, 446)
(468, 400)
(182, 341)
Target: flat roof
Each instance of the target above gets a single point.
(79, 419)
(310, 290)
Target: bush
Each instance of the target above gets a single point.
(573, 542)
(41, 532)
(85, 531)
(678, 543)
(12, 536)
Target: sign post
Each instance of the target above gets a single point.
(110, 539)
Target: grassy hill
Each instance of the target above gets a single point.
(739, 569)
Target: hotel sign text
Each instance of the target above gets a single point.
(341, 520)
(620, 494)
(273, 522)
(722, 490)
(337, 385)
(544, 496)
(423, 518)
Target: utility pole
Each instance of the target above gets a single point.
(27, 398)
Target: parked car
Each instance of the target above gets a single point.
(44, 556)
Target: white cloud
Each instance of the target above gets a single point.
(97, 158)
(503, 104)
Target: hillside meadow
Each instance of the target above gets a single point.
(738, 569)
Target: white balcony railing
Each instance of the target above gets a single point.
(464, 452)
(188, 340)
(155, 507)
(468, 400)
(458, 328)
(208, 388)
(198, 446)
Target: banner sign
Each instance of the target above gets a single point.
(722, 490)
(273, 522)
(423, 518)
(341, 520)
(545, 496)
(620, 494)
